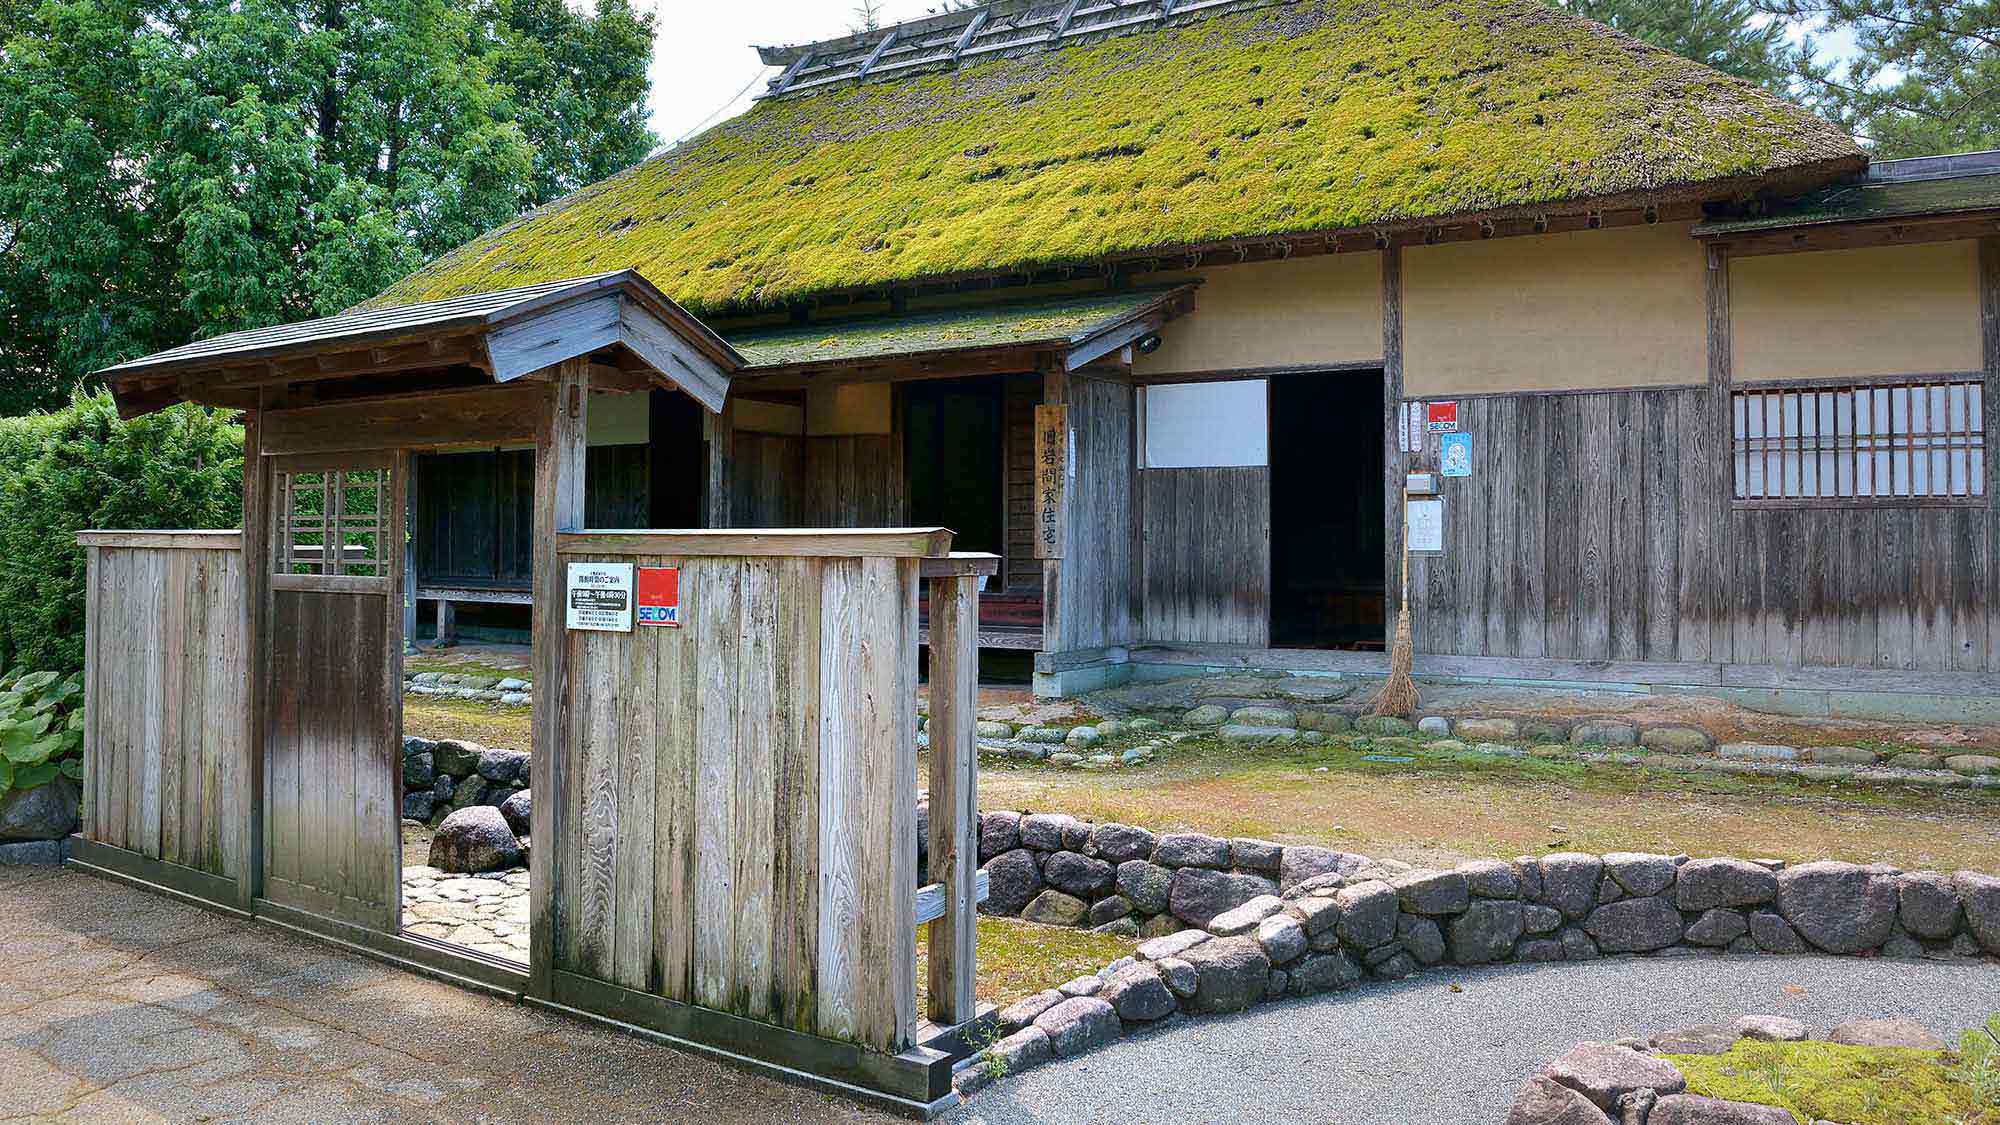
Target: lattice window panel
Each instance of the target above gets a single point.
(1889, 441)
(333, 522)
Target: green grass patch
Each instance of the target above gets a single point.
(489, 724)
(1018, 959)
(450, 667)
(1858, 1085)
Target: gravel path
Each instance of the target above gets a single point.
(1416, 1053)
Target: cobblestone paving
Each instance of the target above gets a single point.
(486, 913)
(119, 1005)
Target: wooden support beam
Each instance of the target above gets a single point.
(875, 55)
(1989, 334)
(256, 608)
(719, 437)
(966, 37)
(1063, 21)
(791, 73)
(954, 785)
(1105, 343)
(560, 447)
(1055, 392)
(1393, 467)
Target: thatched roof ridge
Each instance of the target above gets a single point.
(1285, 119)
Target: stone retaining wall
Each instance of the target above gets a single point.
(1231, 923)
(444, 775)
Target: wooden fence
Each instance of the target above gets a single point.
(746, 843)
(164, 701)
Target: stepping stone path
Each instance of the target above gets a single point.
(484, 913)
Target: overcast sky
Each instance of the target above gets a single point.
(703, 56)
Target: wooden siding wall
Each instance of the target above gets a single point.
(473, 510)
(1596, 527)
(854, 481)
(736, 788)
(767, 482)
(1099, 603)
(1207, 547)
(167, 711)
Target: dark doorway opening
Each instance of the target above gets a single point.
(952, 459)
(679, 464)
(1327, 536)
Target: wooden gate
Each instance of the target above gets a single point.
(333, 700)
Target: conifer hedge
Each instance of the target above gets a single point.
(81, 467)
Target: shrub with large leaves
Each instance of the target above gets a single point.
(41, 729)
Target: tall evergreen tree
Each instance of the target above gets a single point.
(172, 168)
(1923, 78)
(1729, 35)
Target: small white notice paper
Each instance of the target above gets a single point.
(1425, 525)
(599, 597)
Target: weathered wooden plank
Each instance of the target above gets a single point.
(1989, 321)
(560, 467)
(1930, 603)
(1594, 497)
(173, 626)
(754, 790)
(1660, 496)
(954, 812)
(153, 729)
(1394, 466)
(638, 784)
(678, 672)
(844, 865)
(598, 675)
(1562, 563)
(186, 540)
(1891, 588)
(1625, 559)
(715, 975)
(1498, 443)
(795, 759)
(1528, 624)
(1823, 575)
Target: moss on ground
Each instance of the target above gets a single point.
(1017, 958)
(1818, 1081)
(489, 724)
(1443, 805)
(1312, 116)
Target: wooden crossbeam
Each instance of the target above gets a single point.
(875, 55)
(1062, 21)
(966, 37)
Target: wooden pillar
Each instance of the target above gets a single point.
(1393, 468)
(1989, 324)
(1712, 591)
(719, 430)
(256, 588)
(407, 481)
(560, 435)
(954, 800)
(447, 623)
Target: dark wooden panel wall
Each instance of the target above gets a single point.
(1021, 571)
(768, 480)
(1207, 547)
(472, 512)
(853, 481)
(1596, 527)
(1099, 603)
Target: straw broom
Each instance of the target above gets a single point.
(1399, 693)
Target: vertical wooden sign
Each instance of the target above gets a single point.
(1051, 478)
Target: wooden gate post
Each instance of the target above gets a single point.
(559, 482)
(954, 784)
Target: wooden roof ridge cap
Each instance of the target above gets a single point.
(860, 40)
(827, 542)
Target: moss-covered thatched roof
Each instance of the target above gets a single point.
(1013, 324)
(1308, 116)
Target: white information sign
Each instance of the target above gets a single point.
(1425, 526)
(599, 597)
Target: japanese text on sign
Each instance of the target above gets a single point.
(599, 597)
(1052, 468)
